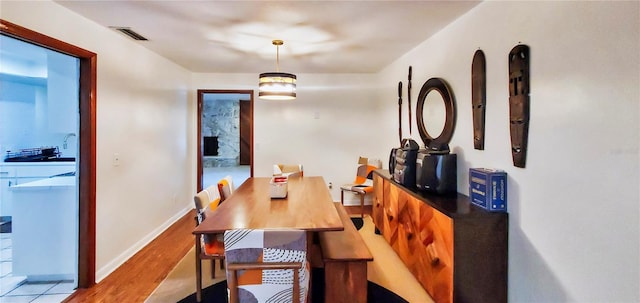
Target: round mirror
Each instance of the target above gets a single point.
(434, 113)
(436, 108)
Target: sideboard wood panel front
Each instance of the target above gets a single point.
(457, 252)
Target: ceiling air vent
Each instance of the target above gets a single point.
(129, 32)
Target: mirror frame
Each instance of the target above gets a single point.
(439, 85)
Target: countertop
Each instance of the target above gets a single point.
(38, 163)
(56, 182)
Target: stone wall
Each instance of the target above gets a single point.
(221, 118)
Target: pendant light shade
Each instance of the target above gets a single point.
(277, 85)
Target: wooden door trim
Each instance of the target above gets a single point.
(244, 127)
(201, 92)
(87, 143)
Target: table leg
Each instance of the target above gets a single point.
(198, 270)
(312, 258)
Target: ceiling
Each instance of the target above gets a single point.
(319, 36)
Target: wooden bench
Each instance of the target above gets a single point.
(345, 257)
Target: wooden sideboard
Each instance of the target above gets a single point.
(456, 250)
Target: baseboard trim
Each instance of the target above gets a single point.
(110, 267)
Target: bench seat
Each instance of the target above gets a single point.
(345, 256)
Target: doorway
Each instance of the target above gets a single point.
(225, 136)
(38, 127)
(86, 138)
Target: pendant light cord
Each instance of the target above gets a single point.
(277, 43)
(278, 58)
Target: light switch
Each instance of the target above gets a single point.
(116, 159)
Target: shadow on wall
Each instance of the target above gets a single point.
(526, 265)
(542, 286)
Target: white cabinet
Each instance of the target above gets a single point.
(62, 93)
(45, 219)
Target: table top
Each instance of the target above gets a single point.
(308, 206)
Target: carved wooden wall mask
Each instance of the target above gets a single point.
(478, 98)
(519, 103)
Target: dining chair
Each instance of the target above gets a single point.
(363, 183)
(289, 170)
(212, 246)
(225, 187)
(267, 265)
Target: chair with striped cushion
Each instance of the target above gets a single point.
(267, 265)
(206, 201)
(363, 184)
(225, 187)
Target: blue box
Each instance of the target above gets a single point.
(488, 188)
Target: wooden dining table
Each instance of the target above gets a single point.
(308, 206)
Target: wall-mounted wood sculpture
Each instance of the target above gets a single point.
(478, 98)
(400, 112)
(519, 103)
(409, 99)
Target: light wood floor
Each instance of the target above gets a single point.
(137, 278)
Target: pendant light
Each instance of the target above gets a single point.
(277, 85)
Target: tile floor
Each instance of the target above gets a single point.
(14, 289)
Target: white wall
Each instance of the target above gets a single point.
(574, 210)
(143, 116)
(333, 121)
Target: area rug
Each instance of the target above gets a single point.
(376, 293)
(386, 274)
(358, 222)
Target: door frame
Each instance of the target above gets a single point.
(86, 145)
(201, 93)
